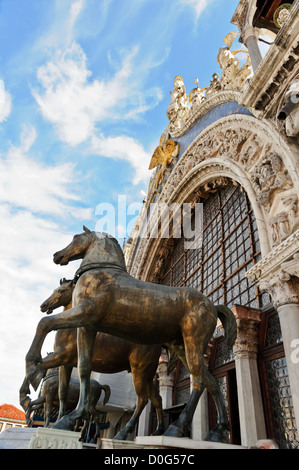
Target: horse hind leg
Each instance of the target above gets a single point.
(195, 364)
(217, 434)
(156, 400)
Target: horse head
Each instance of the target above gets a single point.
(76, 249)
(106, 249)
(60, 297)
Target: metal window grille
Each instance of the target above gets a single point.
(230, 246)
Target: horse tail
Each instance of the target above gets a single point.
(172, 357)
(107, 391)
(229, 323)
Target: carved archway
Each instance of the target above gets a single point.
(239, 147)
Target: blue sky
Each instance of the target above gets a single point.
(85, 89)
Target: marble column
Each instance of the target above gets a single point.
(144, 421)
(252, 422)
(284, 290)
(200, 423)
(250, 39)
(165, 382)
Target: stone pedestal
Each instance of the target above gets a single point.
(164, 442)
(47, 438)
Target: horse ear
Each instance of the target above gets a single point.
(62, 281)
(86, 229)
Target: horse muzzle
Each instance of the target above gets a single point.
(58, 258)
(45, 309)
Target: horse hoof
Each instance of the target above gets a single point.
(216, 435)
(173, 431)
(35, 377)
(121, 436)
(64, 424)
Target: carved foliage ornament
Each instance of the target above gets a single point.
(281, 14)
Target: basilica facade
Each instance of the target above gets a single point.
(231, 149)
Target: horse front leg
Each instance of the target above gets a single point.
(64, 381)
(71, 318)
(85, 341)
(24, 393)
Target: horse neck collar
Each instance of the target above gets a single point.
(89, 266)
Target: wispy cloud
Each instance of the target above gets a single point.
(124, 148)
(35, 200)
(75, 10)
(74, 103)
(5, 102)
(198, 5)
(40, 188)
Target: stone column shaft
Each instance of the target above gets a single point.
(289, 322)
(251, 413)
(250, 39)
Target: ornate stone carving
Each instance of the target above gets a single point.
(281, 14)
(232, 75)
(47, 438)
(248, 320)
(178, 110)
(284, 223)
(270, 176)
(196, 97)
(283, 288)
(162, 256)
(290, 111)
(271, 263)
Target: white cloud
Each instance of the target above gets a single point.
(40, 188)
(34, 200)
(74, 103)
(124, 148)
(28, 276)
(198, 5)
(5, 102)
(75, 11)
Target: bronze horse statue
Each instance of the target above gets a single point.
(49, 399)
(110, 355)
(107, 299)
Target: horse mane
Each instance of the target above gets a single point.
(116, 244)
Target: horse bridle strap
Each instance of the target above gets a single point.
(90, 266)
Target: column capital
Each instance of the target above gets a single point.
(283, 289)
(246, 344)
(249, 32)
